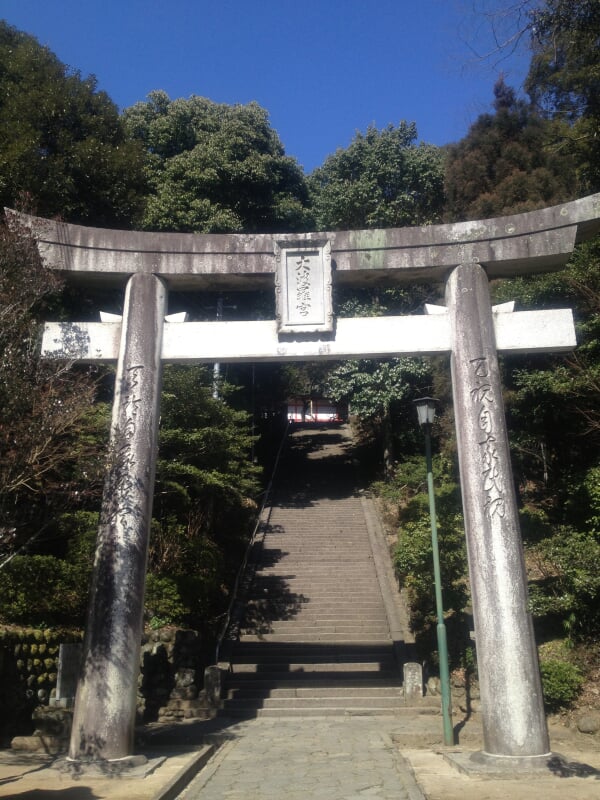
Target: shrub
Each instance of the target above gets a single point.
(561, 683)
(163, 603)
(570, 587)
(42, 590)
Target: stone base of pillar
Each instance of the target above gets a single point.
(484, 765)
(137, 766)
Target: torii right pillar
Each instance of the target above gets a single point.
(512, 707)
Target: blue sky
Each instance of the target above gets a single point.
(322, 69)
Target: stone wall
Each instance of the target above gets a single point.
(169, 688)
(28, 670)
(172, 675)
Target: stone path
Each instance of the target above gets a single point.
(316, 759)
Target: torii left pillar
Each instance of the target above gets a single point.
(104, 716)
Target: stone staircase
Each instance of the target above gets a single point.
(314, 637)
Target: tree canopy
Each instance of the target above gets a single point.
(216, 168)
(564, 77)
(507, 163)
(63, 146)
(382, 179)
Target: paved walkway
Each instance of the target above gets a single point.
(320, 759)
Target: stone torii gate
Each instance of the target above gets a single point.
(302, 268)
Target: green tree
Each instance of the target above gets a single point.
(413, 556)
(553, 399)
(382, 179)
(376, 392)
(507, 163)
(204, 499)
(216, 168)
(564, 78)
(63, 148)
(564, 75)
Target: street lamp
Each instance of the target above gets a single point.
(426, 415)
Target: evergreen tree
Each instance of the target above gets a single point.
(383, 179)
(206, 485)
(564, 78)
(63, 148)
(507, 163)
(216, 168)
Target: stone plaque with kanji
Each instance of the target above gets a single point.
(303, 287)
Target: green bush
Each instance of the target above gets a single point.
(42, 590)
(413, 555)
(163, 603)
(570, 586)
(561, 683)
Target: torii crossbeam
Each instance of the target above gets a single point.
(301, 268)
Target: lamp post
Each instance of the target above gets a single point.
(426, 415)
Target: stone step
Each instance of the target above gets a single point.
(312, 592)
(367, 701)
(260, 620)
(283, 681)
(315, 636)
(291, 573)
(312, 634)
(337, 613)
(314, 640)
(286, 580)
(274, 670)
(340, 638)
(316, 651)
(265, 590)
(362, 570)
(314, 604)
(318, 627)
(325, 711)
(313, 692)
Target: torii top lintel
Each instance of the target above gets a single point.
(535, 241)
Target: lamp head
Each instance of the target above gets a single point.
(426, 410)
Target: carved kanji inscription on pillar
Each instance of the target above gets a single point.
(483, 398)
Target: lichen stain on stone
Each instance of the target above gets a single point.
(370, 247)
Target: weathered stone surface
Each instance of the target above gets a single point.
(52, 745)
(104, 717)
(535, 241)
(185, 677)
(524, 331)
(514, 722)
(52, 722)
(184, 692)
(413, 681)
(69, 663)
(213, 680)
(303, 287)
